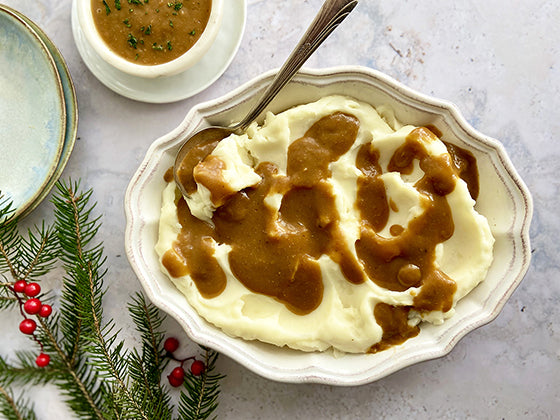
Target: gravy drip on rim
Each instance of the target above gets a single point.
(275, 252)
(153, 32)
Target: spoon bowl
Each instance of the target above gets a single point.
(201, 144)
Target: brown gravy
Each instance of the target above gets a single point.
(150, 32)
(274, 252)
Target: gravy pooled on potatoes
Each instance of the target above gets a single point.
(339, 218)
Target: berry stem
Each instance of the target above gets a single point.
(19, 299)
(181, 361)
(34, 337)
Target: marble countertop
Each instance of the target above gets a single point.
(497, 60)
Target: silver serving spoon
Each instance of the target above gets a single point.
(201, 144)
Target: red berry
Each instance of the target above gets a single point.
(176, 377)
(43, 360)
(27, 326)
(197, 368)
(175, 382)
(19, 286)
(32, 289)
(45, 311)
(32, 306)
(178, 373)
(171, 344)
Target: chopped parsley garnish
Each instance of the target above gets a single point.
(118, 4)
(148, 30)
(134, 2)
(177, 5)
(193, 32)
(157, 47)
(169, 46)
(132, 41)
(171, 23)
(107, 9)
(127, 23)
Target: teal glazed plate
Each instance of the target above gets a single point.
(71, 107)
(32, 113)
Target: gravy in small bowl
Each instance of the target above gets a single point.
(150, 38)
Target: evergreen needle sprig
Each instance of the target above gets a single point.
(10, 407)
(98, 377)
(202, 397)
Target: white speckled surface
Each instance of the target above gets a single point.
(496, 60)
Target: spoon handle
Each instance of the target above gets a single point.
(331, 14)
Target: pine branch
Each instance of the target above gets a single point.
(27, 372)
(13, 409)
(99, 378)
(146, 368)
(82, 286)
(148, 321)
(107, 356)
(10, 407)
(201, 398)
(9, 238)
(26, 259)
(75, 379)
(6, 300)
(37, 254)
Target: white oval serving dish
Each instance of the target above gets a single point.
(504, 200)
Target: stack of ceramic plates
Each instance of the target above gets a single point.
(38, 112)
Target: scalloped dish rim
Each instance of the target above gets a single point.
(510, 222)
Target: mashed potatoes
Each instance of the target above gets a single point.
(327, 228)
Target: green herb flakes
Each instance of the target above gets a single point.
(177, 5)
(107, 8)
(132, 40)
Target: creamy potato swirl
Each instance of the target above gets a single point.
(350, 316)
